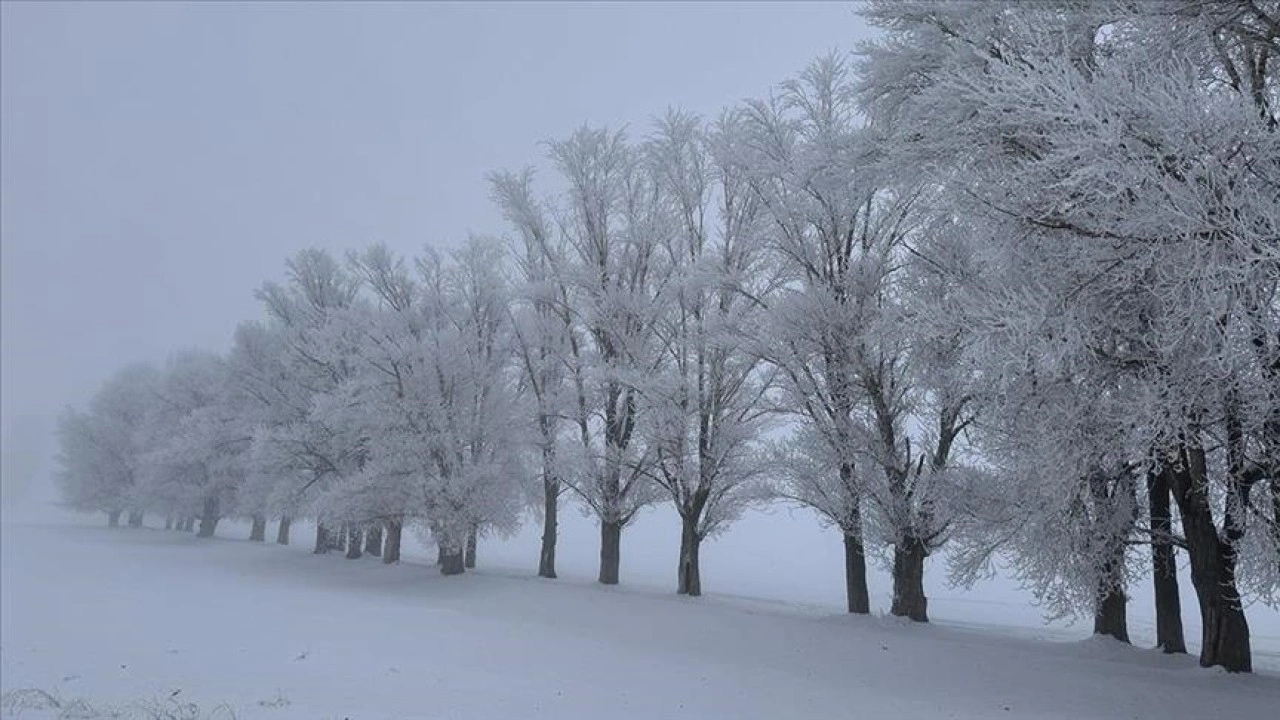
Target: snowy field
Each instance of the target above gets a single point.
(120, 618)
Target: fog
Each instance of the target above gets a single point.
(919, 352)
(159, 161)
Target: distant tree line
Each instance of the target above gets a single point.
(1005, 286)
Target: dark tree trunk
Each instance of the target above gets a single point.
(451, 562)
(1110, 602)
(323, 543)
(168, 522)
(282, 532)
(1164, 575)
(469, 558)
(855, 574)
(1109, 612)
(610, 551)
(391, 548)
(1275, 500)
(909, 600)
(439, 554)
(550, 511)
(258, 533)
(113, 519)
(1224, 630)
(339, 538)
(189, 524)
(688, 573)
(209, 518)
(373, 540)
(355, 543)
(135, 518)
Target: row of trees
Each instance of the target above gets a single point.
(1007, 284)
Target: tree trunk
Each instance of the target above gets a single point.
(189, 524)
(1164, 575)
(168, 522)
(1224, 630)
(258, 533)
(550, 511)
(439, 554)
(688, 573)
(469, 558)
(355, 543)
(1109, 612)
(282, 532)
(113, 519)
(339, 538)
(391, 547)
(1275, 500)
(451, 562)
(323, 544)
(909, 600)
(208, 518)
(373, 540)
(855, 574)
(610, 551)
(135, 518)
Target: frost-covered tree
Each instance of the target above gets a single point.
(198, 450)
(100, 450)
(1121, 162)
(613, 228)
(267, 397)
(305, 450)
(840, 332)
(707, 400)
(432, 394)
(546, 343)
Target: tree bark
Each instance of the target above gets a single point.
(1109, 613)
(688, 572)
(451, 562)
(373, 540)
(209, 517)
(168, 522)
(339, 538)
(855, 574)
(258, 533)
(469, 559)
(439, 554)
(135, 518)
(1224, 630)
(1164, 575)
(323, 544)
(391, 547)
(355, 543)
(550, 529)
(610, 551)
(113, 519)
(909, 600)
(189, 524)
(282, 532)
(1275, 500)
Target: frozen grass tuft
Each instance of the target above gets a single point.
(36, 703)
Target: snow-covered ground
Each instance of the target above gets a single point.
(118, 617)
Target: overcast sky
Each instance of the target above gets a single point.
(160, 160)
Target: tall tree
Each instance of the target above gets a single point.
(708, 399)
(100, 451)
(613, 229)
(1095, 144)
(545, 339)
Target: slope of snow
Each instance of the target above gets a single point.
(272, 632)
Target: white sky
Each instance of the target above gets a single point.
(159, 161)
